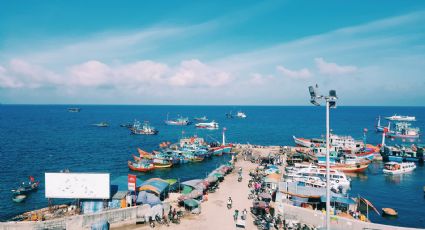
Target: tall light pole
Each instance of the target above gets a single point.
(330, 103)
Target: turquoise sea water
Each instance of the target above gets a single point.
(38, 139)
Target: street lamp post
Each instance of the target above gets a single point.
(330, 103)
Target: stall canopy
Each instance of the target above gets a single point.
(192, 183)
(155, 185)
(147, 198)
(191, 203)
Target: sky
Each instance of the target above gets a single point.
(211, 52)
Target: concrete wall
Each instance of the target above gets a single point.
(318, 219)
(115, 216)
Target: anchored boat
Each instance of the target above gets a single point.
(204, 118)
(181, 121)
(396, 117)
(144, 129)
(209, 125)
(398, 168)
(140, 166)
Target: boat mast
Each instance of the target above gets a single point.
(224, 137)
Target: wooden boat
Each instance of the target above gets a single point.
(158, 165)
(398, 168)
(19, 198)
(389, 212)
(348, 168)
(140, 167)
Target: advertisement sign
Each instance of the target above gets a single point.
(131, 182)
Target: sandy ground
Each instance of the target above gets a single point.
(215, 214)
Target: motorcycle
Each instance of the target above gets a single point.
(239, 178)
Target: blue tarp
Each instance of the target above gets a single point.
(342, 200)
(147, 198)
(101, 225)
(91, 206)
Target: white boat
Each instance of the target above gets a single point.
(337, 143)
(241, 115)
(338, 179)
(398, 168)
(396, 117)
(207, 125)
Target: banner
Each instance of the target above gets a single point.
(131, 182)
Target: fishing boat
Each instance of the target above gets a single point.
(403, 130)
(241, 115)
(402, 153)
(396, 117)
(308, 143)
(380, 128)
(74, 110)
(398, 168)
(229, 115)
(101, 124)
(141, 166)
(26, 187)
(181, 121)
(19, 198)
(204, 118)
(207, 125)
(144, 129)
(161, 161)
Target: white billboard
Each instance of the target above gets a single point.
(77, 185)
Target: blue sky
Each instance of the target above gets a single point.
(211, 52)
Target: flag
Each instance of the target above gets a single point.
(31, 178)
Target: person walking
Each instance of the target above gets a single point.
(235, 215)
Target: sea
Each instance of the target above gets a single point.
(35, 139)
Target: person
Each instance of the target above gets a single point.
(240, 170)
(244, 213)
(235, 215)
(229, 203)
(174, 213)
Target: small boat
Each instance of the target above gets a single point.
(19, 198)
(403, 130)
(209, 125)
(101, 124)
(389, 212)
(156, 165)
(240, 115)
(141, 166)
(182, 121)
(144, 129)
(229, 115)
(74, 110)
(396, 117)
(126, 125)
(204, 118)
(26, 187)
(398, 168)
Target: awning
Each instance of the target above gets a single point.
(342, 200)
(155, 185)
(192, 203)
(147, 198)
(192, 183)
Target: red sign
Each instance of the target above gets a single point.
(131, 182)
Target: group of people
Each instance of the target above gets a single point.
(236, 214)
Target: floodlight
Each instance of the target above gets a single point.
(314, 102)
(313, 93)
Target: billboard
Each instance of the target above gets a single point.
(77, 185)
(131, 182)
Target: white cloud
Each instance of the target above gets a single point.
(331, 68)
(7, 81)
(296, 74)
(194, 73)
